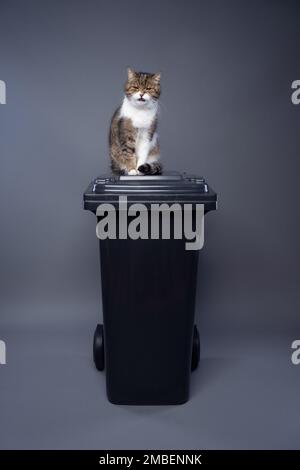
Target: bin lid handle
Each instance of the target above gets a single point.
(151, 178)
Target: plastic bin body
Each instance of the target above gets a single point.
(148, 292)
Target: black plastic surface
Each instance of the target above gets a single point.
(195, 349)
(148, 295)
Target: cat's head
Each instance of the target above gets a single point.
(142, 89)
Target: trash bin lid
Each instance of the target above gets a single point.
(169, 187)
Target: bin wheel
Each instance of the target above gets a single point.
(195, 349)
(98, 348)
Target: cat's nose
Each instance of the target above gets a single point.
(141, 97)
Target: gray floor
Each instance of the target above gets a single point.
(245, 394)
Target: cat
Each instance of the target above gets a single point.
(133, 140)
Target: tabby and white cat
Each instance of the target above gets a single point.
(133, 140)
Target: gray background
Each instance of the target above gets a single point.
(226, 113)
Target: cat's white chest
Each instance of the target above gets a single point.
(141, 118)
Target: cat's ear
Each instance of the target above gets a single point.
(130, 73)
(156, 77)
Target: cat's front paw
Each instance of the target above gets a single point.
(132, 172)
(144, 169)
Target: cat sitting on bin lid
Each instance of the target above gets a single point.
(133, 139)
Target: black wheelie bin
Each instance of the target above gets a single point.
(148, 342)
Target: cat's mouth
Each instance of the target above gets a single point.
(141, 99)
